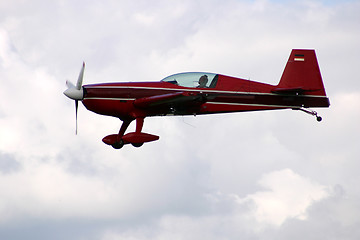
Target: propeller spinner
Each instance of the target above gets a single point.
(76, 92)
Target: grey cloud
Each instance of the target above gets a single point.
(52, 229)
(8, 163)
(330, 218)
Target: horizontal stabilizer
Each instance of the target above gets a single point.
(295, 90)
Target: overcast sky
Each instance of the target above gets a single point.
(261, 175)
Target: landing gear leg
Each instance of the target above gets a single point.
(139, 126)
(123, 128)
(119, 142)
(311, 112)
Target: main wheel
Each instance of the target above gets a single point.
(137, 144)
(318, 118)
(118, 145)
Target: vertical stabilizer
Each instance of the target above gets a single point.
(302, 73)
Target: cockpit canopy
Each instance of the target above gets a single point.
(193, 79)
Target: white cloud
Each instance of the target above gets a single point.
(286, 195)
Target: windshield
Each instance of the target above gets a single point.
(193, 79)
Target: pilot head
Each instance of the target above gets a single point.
(203, 81)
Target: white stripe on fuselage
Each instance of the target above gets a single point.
(114, 99)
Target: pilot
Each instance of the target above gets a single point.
(203, 81)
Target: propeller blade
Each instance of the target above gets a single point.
(80, 78)
(76, 115)
(69, 84)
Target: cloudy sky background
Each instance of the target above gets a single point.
(263, 175)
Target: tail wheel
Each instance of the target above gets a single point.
(311, 112)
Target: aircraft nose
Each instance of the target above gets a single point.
(74, 93)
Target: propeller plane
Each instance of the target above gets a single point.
(197, 93)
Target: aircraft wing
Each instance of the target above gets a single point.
(169, 99)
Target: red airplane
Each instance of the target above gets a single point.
(197, 93)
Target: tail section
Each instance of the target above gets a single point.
(302, 76)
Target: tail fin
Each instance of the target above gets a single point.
(302, 74)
